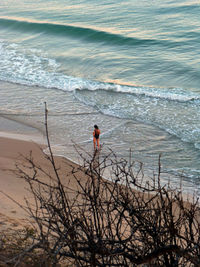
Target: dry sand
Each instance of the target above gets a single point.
(12, 152)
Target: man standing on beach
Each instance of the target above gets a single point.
(96, 134)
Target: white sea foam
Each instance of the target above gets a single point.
(33, 67)
(168, 108)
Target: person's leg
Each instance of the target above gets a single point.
(98, 144)
(94, 142)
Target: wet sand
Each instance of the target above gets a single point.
(12, 152)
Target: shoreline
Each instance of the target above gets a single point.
(20, 131)
(13, 189)
(16, 141)
(13, 145)
(144, 141)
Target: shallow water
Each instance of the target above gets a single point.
(72, 123)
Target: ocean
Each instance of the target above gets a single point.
(130, 67)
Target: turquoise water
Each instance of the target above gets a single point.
(130, 67)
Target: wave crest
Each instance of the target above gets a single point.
(86, 34)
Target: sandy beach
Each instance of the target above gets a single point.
(12, 153)
(13, 190)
